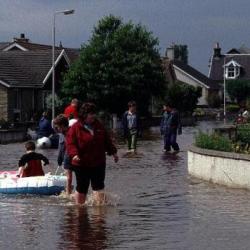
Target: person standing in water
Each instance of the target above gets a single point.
(170, 126)
(130, 123)
(87, 142)
(61, 124)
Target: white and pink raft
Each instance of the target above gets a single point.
(41, 185)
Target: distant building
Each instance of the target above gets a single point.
(235, 63)
(177, 70)
(26, 76)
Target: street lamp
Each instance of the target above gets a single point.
(65, 12)
(224, 85)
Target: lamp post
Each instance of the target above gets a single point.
(224, 85)
(65, 12)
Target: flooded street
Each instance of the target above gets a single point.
(158, 207)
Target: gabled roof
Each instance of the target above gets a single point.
(3, 45)
(25, 68)
(217, 69)
(233, 51)
(195, 74)
(27, 46)
(244, 50)
(232, 63)
(72, 53)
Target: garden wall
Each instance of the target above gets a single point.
(8, 136)
(229, 169)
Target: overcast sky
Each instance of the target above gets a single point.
(197, 23)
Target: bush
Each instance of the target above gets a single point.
(213, 141)
(243, 133)
(248, 104)
(199, 112)
(183, 97)
(238, 90)
(214, 100)
(233, 108)
(4, 124)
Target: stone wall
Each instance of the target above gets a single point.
(224, 168)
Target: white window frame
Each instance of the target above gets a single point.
(232, 70)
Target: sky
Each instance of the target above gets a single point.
(197, 23)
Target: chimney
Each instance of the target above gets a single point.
(22, 38)
(170, 52)
(217, 50)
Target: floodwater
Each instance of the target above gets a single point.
(154, 205)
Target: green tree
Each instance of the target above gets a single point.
(120, 62)
(238, 90)
(183, 96)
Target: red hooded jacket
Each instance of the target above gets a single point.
(71, 110)
(91, 149)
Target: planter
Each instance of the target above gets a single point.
(224, 168)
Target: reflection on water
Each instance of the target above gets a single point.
(83, 228)
(154, 205)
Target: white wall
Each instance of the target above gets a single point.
(191, 81)
(229, 169)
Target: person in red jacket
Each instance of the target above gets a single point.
(30, 163)
(87, 142)
(72, 110)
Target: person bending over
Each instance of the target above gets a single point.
(61, 124)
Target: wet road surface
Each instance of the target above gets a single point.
(155, 205)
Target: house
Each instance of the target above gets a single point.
(178, 70)
(235, 64)
(26, 76)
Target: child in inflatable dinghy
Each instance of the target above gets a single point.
(30, 164)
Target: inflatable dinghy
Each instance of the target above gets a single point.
(42, 185)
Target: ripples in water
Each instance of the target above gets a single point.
(154, 205)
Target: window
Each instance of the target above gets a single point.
(232, 70)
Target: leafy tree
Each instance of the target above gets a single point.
(238, 90)
(183, 96)
(120, 62)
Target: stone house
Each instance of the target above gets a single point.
(234, 64)
(26, 77)
(178, 70)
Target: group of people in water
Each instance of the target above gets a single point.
(84, 143)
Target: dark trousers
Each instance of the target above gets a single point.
(170, 141)
(132, 139)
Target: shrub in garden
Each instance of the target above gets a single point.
(4, 124)
(233, 108)
(243, 133)
(213, 141)
(214, 100)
